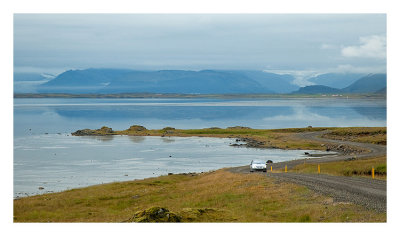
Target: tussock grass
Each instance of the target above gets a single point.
(357, 167)
(272, 138)
(375, 135)
(219, 196)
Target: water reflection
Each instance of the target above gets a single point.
(34, 114)
(167, 139)
(105, 138)
(137, 139)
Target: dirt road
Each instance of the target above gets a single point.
(370, 193)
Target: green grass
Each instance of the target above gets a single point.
(375, 135)
(219, 196)
(228, 197)
(361, 167)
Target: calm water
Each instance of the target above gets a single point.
(38, 116)
(45, 155)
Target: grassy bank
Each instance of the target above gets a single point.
(263, 138)
(219, 196)
(361, 168)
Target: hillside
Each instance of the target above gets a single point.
(372, 83)
(368, 84)
(165, 81)
(316, 89)
(336, 80)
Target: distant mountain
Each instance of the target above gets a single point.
(28, 82)
(81, 81)
(112, 81)
(168, 81)
(372, 83)
(335, 80)
(317, 89)
(29, 77)
(368, 84)
(275, 82)
(382, 91)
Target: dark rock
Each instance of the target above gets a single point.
(269, 161)
(41, 188)
(137, 128)
(306, 153)
(106, 130)
(84, 132)
(168, 128)
(239, 127)
(156, 214)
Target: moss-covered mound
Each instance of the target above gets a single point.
(137, 128)
(156, 214)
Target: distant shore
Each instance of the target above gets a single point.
(216, 96)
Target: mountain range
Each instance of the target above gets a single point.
(168, 81)
(113, 81)
(372, 83)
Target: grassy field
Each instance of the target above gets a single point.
(268, 138)
(375, 135)
(361, 168)
(219, 196)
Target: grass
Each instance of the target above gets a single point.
(219, 196)
(375, 135)
(271, 138)
(361, 167)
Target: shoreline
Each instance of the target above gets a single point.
(211, 96)
(241, 137)
(230, 194)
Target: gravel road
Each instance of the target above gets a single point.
(370, 193)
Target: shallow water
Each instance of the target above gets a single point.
(49, 115)
(46, 155)
(58, 162)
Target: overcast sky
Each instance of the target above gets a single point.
(295, 43)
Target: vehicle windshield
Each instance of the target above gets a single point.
(258, 162)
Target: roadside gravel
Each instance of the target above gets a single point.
(370, 193)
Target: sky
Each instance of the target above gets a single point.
(299, 44)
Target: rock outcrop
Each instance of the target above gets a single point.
(156, 214)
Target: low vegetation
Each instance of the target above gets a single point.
(350, 167)
(219, 196)
(265, 138)
(376, 135)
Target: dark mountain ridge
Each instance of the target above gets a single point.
(117, 81)
(372, 83)
(168, 81)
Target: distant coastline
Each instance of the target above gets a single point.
(175, 95)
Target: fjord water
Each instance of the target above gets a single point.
(46, 155)
(44, 115)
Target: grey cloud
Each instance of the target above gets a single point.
(190, 41)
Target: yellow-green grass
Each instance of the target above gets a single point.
(357, 167)
(376, 135)
(219, 196)
(272, 138)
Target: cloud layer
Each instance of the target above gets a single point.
(309, 42)
(373, 46)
